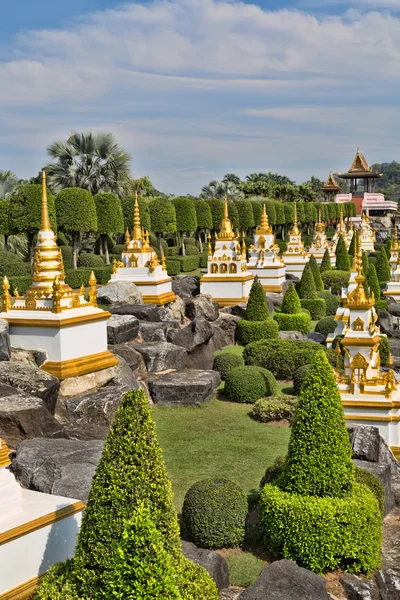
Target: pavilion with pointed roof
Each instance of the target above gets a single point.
(320, 243)
(331, 188)
(53, 317)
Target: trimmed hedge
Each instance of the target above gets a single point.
(299, 377)
(103, 274)
(332, 302)
(291, 301)
(188, 263)
(257, 305)
(316, 306)
(90, 261)
(214, 513)
(173, 266)
(75, 277)
(173, 251)
(67, 255)
(203, 260)
(326, 326)
(225, 362)
(336, 280)
(381, 305)
(293, 322)
(191, 250)
(248, 384)
(22, 283)
(12, 265)
(373, 484)
(274, 408)
(253, 331)
(384, 350)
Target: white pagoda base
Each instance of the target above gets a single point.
(271, 277)
(393, 290)
(155, 287)
(367, 245)
(295, 264)
(227, 290)
(75, 340)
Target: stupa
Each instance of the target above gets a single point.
(295, 257)
(367, 234)
(227, 280)
(53, 317)
(320, 243)
(264, 258)
(394, 251)
(341, 230)
(36, 531)
(140, 265)
(369, 396)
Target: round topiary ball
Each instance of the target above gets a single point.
(214, 513)
(92, 261)
(226, 362)
(298, 378)
(326, 325)
(248, 384)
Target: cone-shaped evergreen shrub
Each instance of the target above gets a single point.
(326, 264)
(257, 306)
(352, 247)
(373, 283)
(291, 301)
(306, 286)
(383, 267)
(342, 256)
(319, 456)
(319, 286)
(291, 318)
(365, 263)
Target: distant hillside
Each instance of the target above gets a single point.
(389, 183)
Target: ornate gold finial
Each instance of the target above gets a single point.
(209, 245)
(163, 261)
(295, 230)
(357, 298)
(127, 238)
(114, 267)
(6, 297)
(244, 249)
(82, 290)
(93, 289)
(226, 231)
(320, 227)
(265, 228)
(56, 296)
(391, 385)
(341, 220)
(45, 222)
(390, 360)
(136, 231)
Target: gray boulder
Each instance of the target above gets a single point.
(275, 298)
(61, 467)
(31, 380)
(201, 307)
(119, 292)
(291, 278)
(224, 328)
(195, 333)
(284, 580)
(239, 310)
(358, 589)
(389, 584)
(365, 442)
(383, 473)
(190, 387)
(394, 309)
(132, 358)
(5, 347)
(395, 347)
(161, 356)
(212, 562)
(186, 287)
(318, 338)
(143, 312)
(153, 332)
(175, 311)
(385, 321)
(291, 335)
(23, 416)
(122, 328)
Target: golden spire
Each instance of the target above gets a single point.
(394, 246)
(136, 232)
(341, 221)
(209, 245)
(163, 261)
(45, 222)
(244, 249)
(6, 297)
(265, 228)
(295, 230)
(226, 231)
(320, 227)
(357, 298)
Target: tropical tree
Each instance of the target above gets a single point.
(204, 219)
(8, 182)
(109, 219)
(220, 189)
(94, 162)
(232, 178)
(186, 217)
(163, 217)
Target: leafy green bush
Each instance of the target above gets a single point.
(225, 362)
(325, 326)
(316, 306)
(274, 408)
(342, 256)
(75, 277)
(57, 584)
(332, 302)
(12, 265)
(283, 357)
(173, 266)
(291, 301)
(383, 267)
(273, 472)
(336, 280)
(384, 350)
(173, 251)
(326, 264)
(214, 513)
(90, 261)
(119, 249)
(373, 283)
(191, 250)
(257, 306)
(300, 322)
(299, 377)
(282, 246)
(20, 282)
(203, 260)
(319, 285)
(67, 253)
(306, 286)
(252, 331)
(381, 305)
(373, 484)
(102, 274)
(248, 384)
(188, 263)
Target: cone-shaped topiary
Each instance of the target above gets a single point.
(342, 256)
(352, 247)
(319, 285)
(257, 306)
(306, 286)
(365, 263)
(319, 456)
(383, 267)
(291, 301)
(373, 283)
(326, 264)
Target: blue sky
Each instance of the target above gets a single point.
(198, 88)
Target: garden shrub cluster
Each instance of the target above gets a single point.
(90, 261)
(248, 384)
(252, 331)
(173, 266)
(274, 408)
(326, 326)
(12, 265)
(67, 257)
(214, 514)
(22, 283)
(316, 307)
(373, 484)
(225, 362)
(336, 280)
(291, 317)
(307, 292)
(188, 263)
(299, 377)
(332, 302)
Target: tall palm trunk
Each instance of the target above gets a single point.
(75, 249)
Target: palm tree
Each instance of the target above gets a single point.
(90, 161)
(220, 189)
(8, 182)
(232, 178)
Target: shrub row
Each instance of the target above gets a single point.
(225, 362)
(274, 408)
(316, 307)
(335, 280)
(13, 265)
(293, 322)
(253, 331)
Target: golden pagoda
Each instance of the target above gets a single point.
(330, 188)
(320, 243)
(367, 234)
(341, 230)
(295, 257)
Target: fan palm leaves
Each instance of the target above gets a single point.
(220, 189)
(8, 182)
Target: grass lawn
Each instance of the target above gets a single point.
(218, 439)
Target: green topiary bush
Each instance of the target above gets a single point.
(12, 265)
(214, 513)
(282, 246)
(21, 283)
(336, 280)
(272, 473)
(299, 377)
(191, 250)
(332, 302)
(248, 384)
(257, 306)
(316, 306)
(383, 267)
(188, 263)
(381, 305)
(67, 255)
(203, 260)
(225, 362)
(384, 350)
(326, 264)
(326, 326)
(373, 283)
(291, 301)
(57, 583)
(373, 484)
(90, 261)
(252, 331)
(102, 274)
(172, 251)
(76, 277)
(274, 408)
(342, 256)
(319, 285)
(173, 266)
(306, 286)
(300, 322)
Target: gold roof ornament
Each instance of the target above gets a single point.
(209, 245)
(357, 298)
(244, 249)
(137, 230)
(394, 246)
(265, 228)
(331, 184)
(226, 231)
(45, 220)
(359, 164)
(320, 227)
(295, 229)
(364, 217)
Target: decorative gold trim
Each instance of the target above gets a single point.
(344, 318)
(229, 278)
(80, 366)
(40, 522)
(395, 451)
(24, 591)
(361, 342)
(372, 404)
(272, 288)
(229, 301)
(58, 323)
(4, 454)
(160, 299)
(387, 419)
(137, 283)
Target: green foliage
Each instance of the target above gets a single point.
(257, 211)
(4, 210)
(373, 484)
(282, 246)
(21, 283)
(128, 203)
(225, 362)
(319, 455)
(246, 216)
(274, 408)
(383, 267)
(191, 250)
(88, 260)
(203, 214)
(203, 260)
(381, 305)
(188, 263)
(244, 568)
(248, 384)
(373, 283)
(257, 306)
(384, 350)
(26, 210)
(319, 286)
(76, 211)
(102, 274)
(342, 256)
(57, 584)
(336, 280)
(316, 306)
(332, 302)
(306, 286)
(12, 265)
(326, 326)
(217, 212)
(283, 357)
(234, 215)
(76, 277)
(297, 322)
(162, 216)
(173, 251)
(365, 263)
(252, 331)
(326, 264)
(353, 245)
(270, 208)
(67, 253)
(291, 302)
(299, 377)
(311, 530)
(214, 513)
(173, 266)
(186, 217)
(272, 473)
(109, 213)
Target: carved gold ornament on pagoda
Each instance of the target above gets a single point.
(226, 231)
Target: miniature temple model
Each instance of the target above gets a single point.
(320, 243)
(341, 230)
(331, 188)
(394, 252)
(36, 531)
(393, 286)
(264, 257)
(295, 257)
(227, 280)
(367, 234)
(54, 318)
(140, 265)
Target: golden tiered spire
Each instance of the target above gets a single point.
(265, 228)
(359, 163)
(295, 229)
(136, 231)
(395, 242)
(364, 216)
(226, 231)
(45, 221)
(357, 298)
(320, 227)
